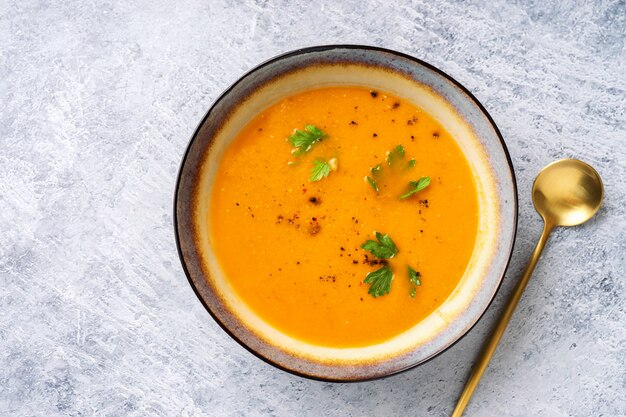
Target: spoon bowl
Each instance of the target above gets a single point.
(567, 192)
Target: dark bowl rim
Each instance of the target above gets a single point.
(322, 48)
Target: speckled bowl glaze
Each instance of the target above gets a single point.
(404, 76)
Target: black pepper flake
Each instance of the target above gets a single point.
(395, 105)
(355, 261)
(435, 134)
(353, 123)
(315, 200)
(374, 94)
(375, 261)
(342, 248)
(328, 278)
(424, 203)
(237, 204)
(374, 135)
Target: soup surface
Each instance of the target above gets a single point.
(288, 223)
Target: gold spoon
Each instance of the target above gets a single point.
(565, 193)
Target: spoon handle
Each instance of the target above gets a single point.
(492, 342)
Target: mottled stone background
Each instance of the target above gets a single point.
(98, 101)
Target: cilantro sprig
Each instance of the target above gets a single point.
(375, 171)
(303, 140)
(416, 186)
(392, 158)
(372, 182)
(380, 281)
(414, 279)
(383, 249)
(395, 154)
(320, 170)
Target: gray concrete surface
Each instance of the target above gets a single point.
(98, 101)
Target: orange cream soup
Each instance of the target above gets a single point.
(291, 248)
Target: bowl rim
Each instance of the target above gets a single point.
(323, 48)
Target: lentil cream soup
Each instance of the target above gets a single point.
(302, 190)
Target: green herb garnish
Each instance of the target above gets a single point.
(395, 154)
(414, 278)
(303, 140)
(384, 248)
(376, 170)
(380, 281)
(411, 163)
(416, 186)
(371, 182)
(375, 173)
(321, 169)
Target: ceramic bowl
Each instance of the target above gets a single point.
(422, 84)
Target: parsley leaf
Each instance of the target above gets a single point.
(380, 281)
(371, 182)
(320, 170)
(416, 186)
(411, 163)
(376, 170)
(384, 248)
(395, 154)
(414, 278)
(303, 140)
(375, 173)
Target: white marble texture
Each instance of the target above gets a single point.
(98, 101)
